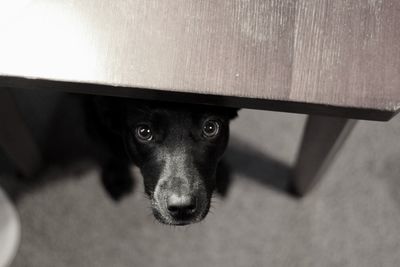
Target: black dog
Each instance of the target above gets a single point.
(176, 146)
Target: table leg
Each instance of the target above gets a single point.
(15, 137)
(322, 138)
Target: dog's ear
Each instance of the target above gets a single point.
(109, 112)
(232, 113)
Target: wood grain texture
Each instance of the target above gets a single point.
(342, 55)
(349, 51)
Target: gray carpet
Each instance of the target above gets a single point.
(351, 219)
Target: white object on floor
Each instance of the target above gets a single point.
(10, 230)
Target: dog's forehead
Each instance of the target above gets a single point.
(175, 113)
(172, 113)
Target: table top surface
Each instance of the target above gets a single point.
(329, 57)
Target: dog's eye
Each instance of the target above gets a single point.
(144, 133)
(211, 128)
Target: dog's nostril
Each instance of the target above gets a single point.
(173, 208)
(181, 205)
(192, 207)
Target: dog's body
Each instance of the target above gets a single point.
(176, 146)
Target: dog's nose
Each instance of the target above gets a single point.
(181, 207)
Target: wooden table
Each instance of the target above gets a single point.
(337, 60)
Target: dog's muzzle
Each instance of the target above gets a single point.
(177, 202)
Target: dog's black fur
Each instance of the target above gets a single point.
(179, 160)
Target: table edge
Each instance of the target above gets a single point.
(197, 98)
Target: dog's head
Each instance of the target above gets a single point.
(177, 148)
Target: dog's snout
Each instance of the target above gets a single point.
(181, 206)
(181, 201)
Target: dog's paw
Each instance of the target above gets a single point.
(117, 182)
